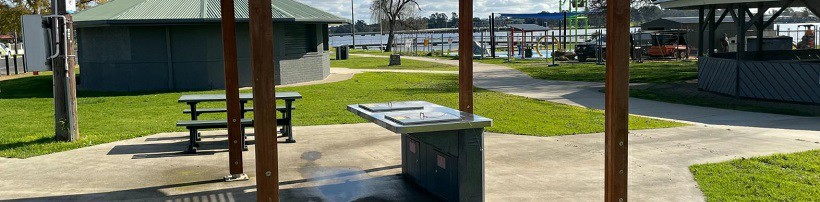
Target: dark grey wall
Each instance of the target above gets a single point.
(189, 57)
(771, 80)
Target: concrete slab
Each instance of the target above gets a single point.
(360, 162)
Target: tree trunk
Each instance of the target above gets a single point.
(391, 36)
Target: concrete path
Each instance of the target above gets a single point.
(359, 162)
(720, 134)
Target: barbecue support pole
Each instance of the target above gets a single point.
(617, 101)
(232, 93)
(264, 105)
(465, 56)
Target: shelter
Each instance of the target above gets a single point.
(175, 45)
(789, 75)
(524, 29)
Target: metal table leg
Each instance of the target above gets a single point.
(289, 118)
(242, 116)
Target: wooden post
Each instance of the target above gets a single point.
(465, 55)
(65, 83)
(232, 91)
(758, 18)
(264, 97)
(712, 29)
(701, 30)
(741, 44)
(617, 101)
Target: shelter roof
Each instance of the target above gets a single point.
(546, 16)
(529, 27)
(193, 11)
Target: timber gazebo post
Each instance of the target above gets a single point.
(617, 101)
(235, 138)
(264, 97)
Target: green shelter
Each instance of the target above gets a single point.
(159, 45)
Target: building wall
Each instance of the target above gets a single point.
(770, 80)
(189, 57)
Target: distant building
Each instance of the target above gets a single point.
(158, 45)
(728, 26)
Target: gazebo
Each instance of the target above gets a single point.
(524, 29)
(783, 75)
(262, 58)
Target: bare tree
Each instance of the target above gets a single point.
(393, 11)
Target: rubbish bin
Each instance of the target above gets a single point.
(528, 53)
(342, 52)
(395, 59)
(442, 148)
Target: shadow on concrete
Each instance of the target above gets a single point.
(327, 188)
(170, 149)
(178, 148)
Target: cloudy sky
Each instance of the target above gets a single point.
(482, 8)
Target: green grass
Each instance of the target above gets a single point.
(647, 72)
(357, 62)
(782, 177)
(370, 52)
(27, 119)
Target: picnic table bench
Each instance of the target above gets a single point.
(193, 125)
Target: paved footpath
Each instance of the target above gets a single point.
(659, 160)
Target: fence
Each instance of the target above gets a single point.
(14, 64)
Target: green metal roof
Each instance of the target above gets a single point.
(193, 11)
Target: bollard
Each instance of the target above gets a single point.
(15, 64)
(8, 71)
(25, 67)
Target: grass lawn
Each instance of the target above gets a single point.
(370, 52)
(782, 177)
(647, 72)
(357, 62)
(27, 119)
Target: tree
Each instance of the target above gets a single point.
(361, 26)
(453, 20)
(437, 20)
(392, 11)
(10, 18)
(11, 11)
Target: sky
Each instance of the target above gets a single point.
(481, 8)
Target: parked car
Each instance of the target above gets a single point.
(589, 48)
(4, 50)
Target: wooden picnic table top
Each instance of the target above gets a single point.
(242, 96)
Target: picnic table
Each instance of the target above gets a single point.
(286, 122)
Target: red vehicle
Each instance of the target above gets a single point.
(671, 43)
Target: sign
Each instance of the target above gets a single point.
(35, 43)
(71, 6)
